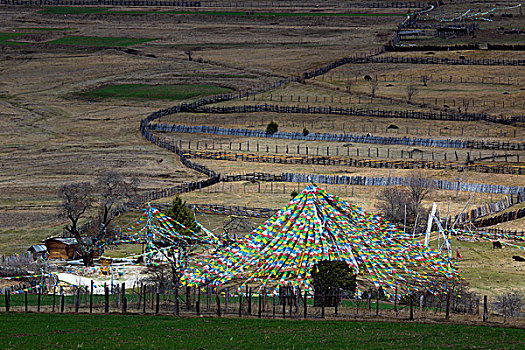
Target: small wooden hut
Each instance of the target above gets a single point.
(37, 251)
(64, 248)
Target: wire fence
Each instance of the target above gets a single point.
(284, 303)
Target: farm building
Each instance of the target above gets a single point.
(64, 248)
(38, 251)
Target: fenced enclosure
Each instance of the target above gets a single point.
(284, 303)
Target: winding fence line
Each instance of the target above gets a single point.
(361, 112)
(200, 105)
(358, 163)
(370, 139)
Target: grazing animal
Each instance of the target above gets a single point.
(496, 244)
(518, 258)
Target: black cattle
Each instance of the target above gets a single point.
(496, 244)
(518, 258)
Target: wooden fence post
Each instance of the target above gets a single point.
(198, 301)
(240, 304)
(395, 301)
(305, 304)
(283, 299)
(157, 300)
(123, 296)
(260, 306)
(25, 296)
(249, 300)
(447, 315)
(77, 300)
(226, 299)
(91, 297)
(218, 302)
(485, 310)
(188, 298)
(377, 303)
(411, 299)
(54, 298)
(421, 300)
(7, 300)
(39, 295)
(273, 312)
(505, 309)
(62, 301)
(140, 295)
(106, 298)
(144, 299)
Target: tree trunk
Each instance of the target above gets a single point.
(87, 258)
(176, 280)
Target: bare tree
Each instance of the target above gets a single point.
(76, 198)
(392, 201)
(424, 79)
(411, 91)
(114, 191)
(373, 87)
(420, 187)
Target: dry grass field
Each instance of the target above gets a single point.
(51, 135)
(55, 129)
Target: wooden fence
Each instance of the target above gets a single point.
(406, 114)
(329, 137)
(146, 297)
(488, 209)
(503, 217)
(437, 60)
(359, 163)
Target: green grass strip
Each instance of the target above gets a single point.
(70, 10)
(8, 36)
(165, 92)
(98, 41)
(45, 331)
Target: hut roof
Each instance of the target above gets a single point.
(38, 248)
(65, 240)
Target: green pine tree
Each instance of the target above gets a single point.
(181, 213)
